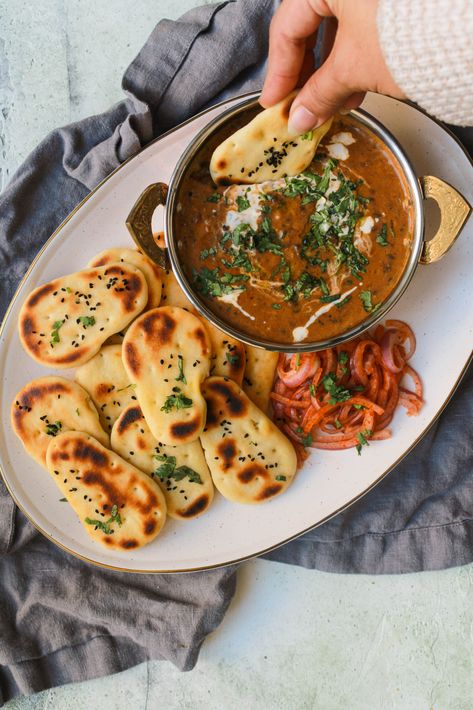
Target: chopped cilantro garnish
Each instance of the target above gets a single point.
(211, 282)
(331, 298)
(168, 470)
(276, 306)
(362, 438)
(86, 320)
(337, 392)
(307, 439)
(53, 429)
(343, 357)
(281, 478)
(367, 300)
(176, 401)
(180, 363)
(242, 203)
(104, 525)
(214, 197)
(205, 253)
(382, 236)
(55, 332)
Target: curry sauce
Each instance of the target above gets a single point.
(301, 258)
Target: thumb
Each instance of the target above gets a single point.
(321, 97)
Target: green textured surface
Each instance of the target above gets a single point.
(293, 639)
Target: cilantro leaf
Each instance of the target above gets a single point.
(242, 203)
(53, 429)
(382, 236)
(180, 363)
(168, 470)
(176, 401)
(86, 320)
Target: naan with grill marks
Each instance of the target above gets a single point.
(119, 505)
(264, 149)
(64, 322)
(250, 459)
(166, 353)
(48, 406)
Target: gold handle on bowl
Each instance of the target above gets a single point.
(454, 212)
(138, 222)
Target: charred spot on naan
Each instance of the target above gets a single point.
(159, 327)
(196, 507)
(131, 290)
(132, 415)
(252, 471)
(106, 485)
(130, 356)
(30, 395)
(222, 397)
(227, 452)
(201, 338)
(182, 430)
(270, 491)
(40, 293)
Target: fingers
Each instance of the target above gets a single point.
(308, 63)
(293, 25)
(321, 97)
(354, 100)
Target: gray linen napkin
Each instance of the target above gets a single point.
(62, 620)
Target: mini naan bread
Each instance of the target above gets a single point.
(105, 379)
(259, 375)
(249, 458)
(119, 506)
(264, 149)
(166, 352)
(63, 323)
(173, 295)
(152, 273)
(48, 406)
(228, 355)
(181, 471)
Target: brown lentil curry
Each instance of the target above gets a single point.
(300, 258)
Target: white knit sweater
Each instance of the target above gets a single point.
(428, 47)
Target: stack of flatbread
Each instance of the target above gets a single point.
(156, 416)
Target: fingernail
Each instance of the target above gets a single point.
(302, 120)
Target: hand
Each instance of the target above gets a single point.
(355, 62)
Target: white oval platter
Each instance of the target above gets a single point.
(438, 304)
